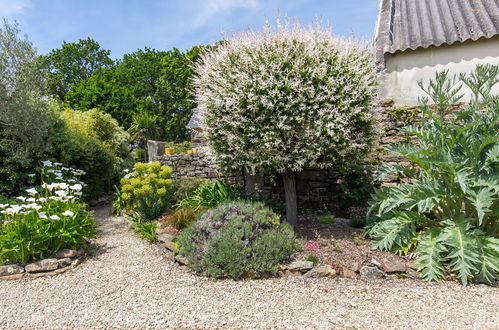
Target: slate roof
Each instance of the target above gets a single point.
(412, 24)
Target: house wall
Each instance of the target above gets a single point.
(404, 69)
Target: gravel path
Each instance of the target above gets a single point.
(127, 285)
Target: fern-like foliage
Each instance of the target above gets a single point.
(449, 212)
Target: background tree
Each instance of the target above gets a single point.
(72, 63)
(174, 94)
(287, 99)
(157, 82)
(25, 119)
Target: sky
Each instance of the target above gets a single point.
(123, 26)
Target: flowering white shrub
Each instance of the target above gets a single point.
(50, 218)
(286, 99)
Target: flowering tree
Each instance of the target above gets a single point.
(286, 99)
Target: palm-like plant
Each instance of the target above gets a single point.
(449, 212)
(144, 127)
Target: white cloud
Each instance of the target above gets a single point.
(10, 8)
(213, 7)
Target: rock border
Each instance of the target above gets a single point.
(64, 260)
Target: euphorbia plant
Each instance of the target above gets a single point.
(285, 99)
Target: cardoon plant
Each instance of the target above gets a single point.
(285, 99)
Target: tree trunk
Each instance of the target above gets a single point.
(290, 192)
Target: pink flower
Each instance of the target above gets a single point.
(365, 172)
(173, 230)
(339, 181)
(312, 246)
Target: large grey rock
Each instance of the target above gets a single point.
(371, 273)
(181, 260)
(8, 270)
(42, 266)
(321, 271)
(301, 266)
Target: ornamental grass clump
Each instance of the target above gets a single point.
(236, 239)
(49, 218)
(285, 99)
(146, 190)
(449, 212)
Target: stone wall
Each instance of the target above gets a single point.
(315, 188)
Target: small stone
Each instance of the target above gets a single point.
(42, 266)
(386, 102)
(282, 267)
(184, 268)
(181, 260)
(371, 273)
(75, 262)
(170, 246)
(9, 270)
(169, 256)
(64, 262)
(376, 263)
(393, 266)
(348, 273)
(301, 266)
(11, 277)
(289, 273)
(356, 266)
(321, 271)
(66, 253)
(165, 237)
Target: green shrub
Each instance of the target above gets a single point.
(313, 259)
(182, 217)
(325, 219)
(51, 218)
(146, 230)
(184, 187)
(211, 194)
(353, 186)
(449, 211)
(237, 238)
(99, 125)
(147, 190)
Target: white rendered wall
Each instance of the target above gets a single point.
(405, 69)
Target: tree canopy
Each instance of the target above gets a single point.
(72, 63)
(287, 99)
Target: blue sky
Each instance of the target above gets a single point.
(124, 26)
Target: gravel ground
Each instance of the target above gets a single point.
(126, 284)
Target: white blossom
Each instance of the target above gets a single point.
(286, 99)
(55, 217)
(32, 191)
(68, 213)
(76, 187)
(47, 163)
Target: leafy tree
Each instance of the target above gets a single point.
(449, 212)
(103, 92)
(25, 119)
(157, 82)
(285, 100)
(72, 63)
